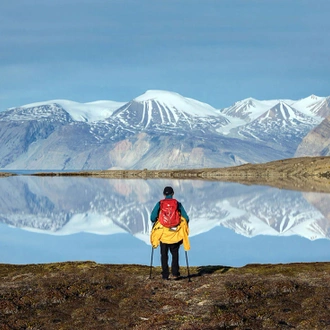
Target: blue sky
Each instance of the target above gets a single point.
(216, 51)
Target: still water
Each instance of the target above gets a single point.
(51, 219)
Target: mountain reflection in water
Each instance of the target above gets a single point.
(230, 223)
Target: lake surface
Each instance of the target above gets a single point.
(51, 219)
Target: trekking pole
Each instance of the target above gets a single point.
(187, 266)
(152, 256)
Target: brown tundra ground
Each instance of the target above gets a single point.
(87, 295)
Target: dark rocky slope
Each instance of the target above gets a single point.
(317, 141)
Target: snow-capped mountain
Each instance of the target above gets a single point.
(51, 112)
(86, 112)
(64, 206)
(159, 129)
(168, 111)
(248, 109)
(281, 125)
(173, 104)
(317, 141)
(314, 105)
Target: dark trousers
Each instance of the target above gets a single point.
(174, 249)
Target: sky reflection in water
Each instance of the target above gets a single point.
(50, 219)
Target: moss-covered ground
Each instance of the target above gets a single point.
(87, 295)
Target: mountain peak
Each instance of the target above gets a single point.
(159, 95)
(313, 105)
(86, 112)
(175, 102)
(248, 109)
(281, 110)
(314, 97)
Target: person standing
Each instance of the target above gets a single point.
(169, 237)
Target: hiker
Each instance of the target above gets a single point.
(170, 230)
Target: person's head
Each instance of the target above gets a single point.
(168, 191)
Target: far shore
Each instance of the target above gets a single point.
(305, 174)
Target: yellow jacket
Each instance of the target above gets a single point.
(159, 233)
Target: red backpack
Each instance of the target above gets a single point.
(169, 215)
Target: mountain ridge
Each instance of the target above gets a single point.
(154, 129)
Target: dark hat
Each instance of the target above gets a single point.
(168, 191)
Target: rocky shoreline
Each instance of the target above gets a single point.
(87, 295)
(303, 174)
